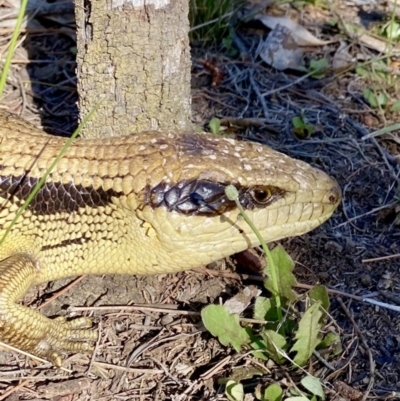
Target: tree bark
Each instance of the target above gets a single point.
(135, 59)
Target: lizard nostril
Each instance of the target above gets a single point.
(334, 195)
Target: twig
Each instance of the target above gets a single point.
(61, 292)
(397, 255)
(364, 342)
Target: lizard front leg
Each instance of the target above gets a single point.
(29, 330)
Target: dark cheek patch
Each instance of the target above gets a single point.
(191, 197)
(202, 197)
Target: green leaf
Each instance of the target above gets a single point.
(331, 340)
(273, 392)
(363, 72)
(259, 349)
(261, 308)
(265, 309)
(301, 128)
(227, 42)
(392, 30)
(375, 99)
(383, 98)
(370, 97)
(313, 385)
(307, 334)
(298, 122)
(395, 106)
(234, 391)
(215, 125)
(332, 22)
(319, 66)
(286, 279)
(319, 293)
(275, 345)
(299, 4)
(220, 323)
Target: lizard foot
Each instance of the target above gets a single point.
(27, 329)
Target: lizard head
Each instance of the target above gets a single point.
(194, 222)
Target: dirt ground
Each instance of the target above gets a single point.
(153, 345)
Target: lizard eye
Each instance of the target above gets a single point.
(261, 194)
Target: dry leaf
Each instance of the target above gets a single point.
(350, 393)
(281, 50)
(371, 41)
(242, 300)
(342, 58)
(300, 34)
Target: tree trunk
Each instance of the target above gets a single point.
(135, 58)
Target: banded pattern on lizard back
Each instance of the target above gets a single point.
(141, 204)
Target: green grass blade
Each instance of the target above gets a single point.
(13, 43)
(233, 194)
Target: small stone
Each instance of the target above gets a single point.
(366, 280)
(166, 320)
